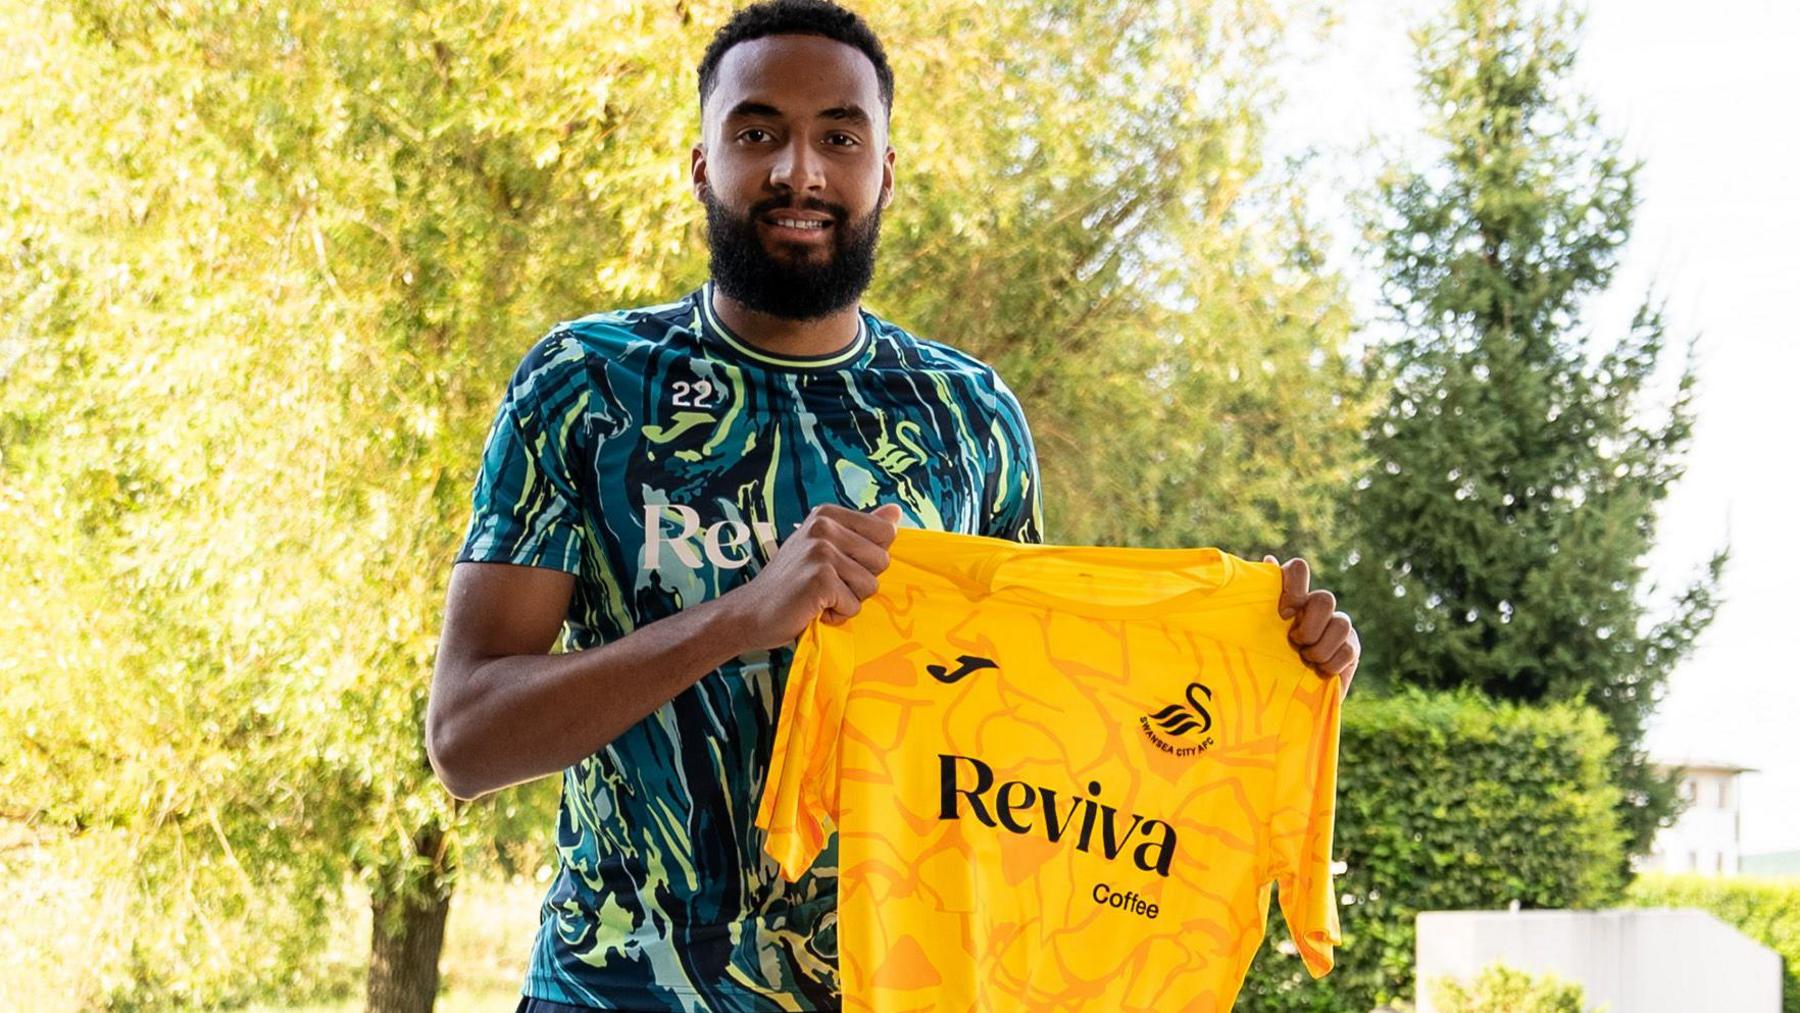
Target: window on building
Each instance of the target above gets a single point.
(1719, 862)
(1688, 789)
(1724, 794)
(1693, 861)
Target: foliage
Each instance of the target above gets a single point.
(1766, 910)
(1088, 211)
(1501, 989)
(1503, 527)
(1450, 802)
(269, 265)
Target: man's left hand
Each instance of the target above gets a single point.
(1322, 636)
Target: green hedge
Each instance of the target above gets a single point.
(1502, 989)
(1766, 910)
(1450, 802)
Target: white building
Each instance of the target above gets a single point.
(1705, 838)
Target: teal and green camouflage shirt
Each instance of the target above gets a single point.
(658, 457)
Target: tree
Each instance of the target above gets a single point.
(1503, 526)
(1086, 206)
(271, 264)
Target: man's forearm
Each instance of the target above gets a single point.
(516, 718)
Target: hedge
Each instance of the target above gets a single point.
(1766, 910)
(1502, 989)
(1450, 802)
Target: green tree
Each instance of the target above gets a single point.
(1085, 205)
(1503, 526)
(266, 257)
(270, 264)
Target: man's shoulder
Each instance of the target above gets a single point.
(561, 360)
(942, 357)
(610, 332)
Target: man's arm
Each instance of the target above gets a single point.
(502, 711)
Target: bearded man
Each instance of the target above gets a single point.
(643, 469)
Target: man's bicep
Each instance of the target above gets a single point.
(497, 609)
(493, 610)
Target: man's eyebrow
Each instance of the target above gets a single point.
(753, 109)
(851, 113)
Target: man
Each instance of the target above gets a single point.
(642, 469)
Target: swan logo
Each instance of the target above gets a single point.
(1181, 729)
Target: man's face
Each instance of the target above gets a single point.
(794, 169)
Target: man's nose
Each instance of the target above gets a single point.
(798, 167)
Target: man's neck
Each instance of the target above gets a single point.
(781, 336)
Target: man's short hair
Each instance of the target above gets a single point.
(797, 17)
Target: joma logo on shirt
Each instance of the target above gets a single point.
(1016, 803)
(966, 664)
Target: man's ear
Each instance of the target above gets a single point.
(697, 170)
(887, 179)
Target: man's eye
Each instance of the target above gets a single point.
(745, 136)
(846, 138)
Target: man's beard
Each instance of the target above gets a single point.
(792, 289)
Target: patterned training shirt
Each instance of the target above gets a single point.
(1061, 779)
(658, 457)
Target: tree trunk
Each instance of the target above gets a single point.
(407, 940)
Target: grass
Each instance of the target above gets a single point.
(449, 1001)
(487, 941)
(56, 922)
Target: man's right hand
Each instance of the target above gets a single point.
(827, 566)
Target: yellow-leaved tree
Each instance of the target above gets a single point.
(268, 266)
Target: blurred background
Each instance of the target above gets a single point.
(1481, 306)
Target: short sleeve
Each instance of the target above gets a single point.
(526, 505)
(1012, 505)
(799, 806)
(1304, 808)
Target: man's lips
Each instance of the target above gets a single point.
(797, 225)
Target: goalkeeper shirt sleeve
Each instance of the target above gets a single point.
(1302, 816)
(799, 805)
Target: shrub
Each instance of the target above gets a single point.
(1501, 989)
(1451, 802)
(1766, 910)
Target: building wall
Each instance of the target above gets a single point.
(1655, 960)
(1705, 838)
(1771, 863)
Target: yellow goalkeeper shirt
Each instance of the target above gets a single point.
(1062, 778)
